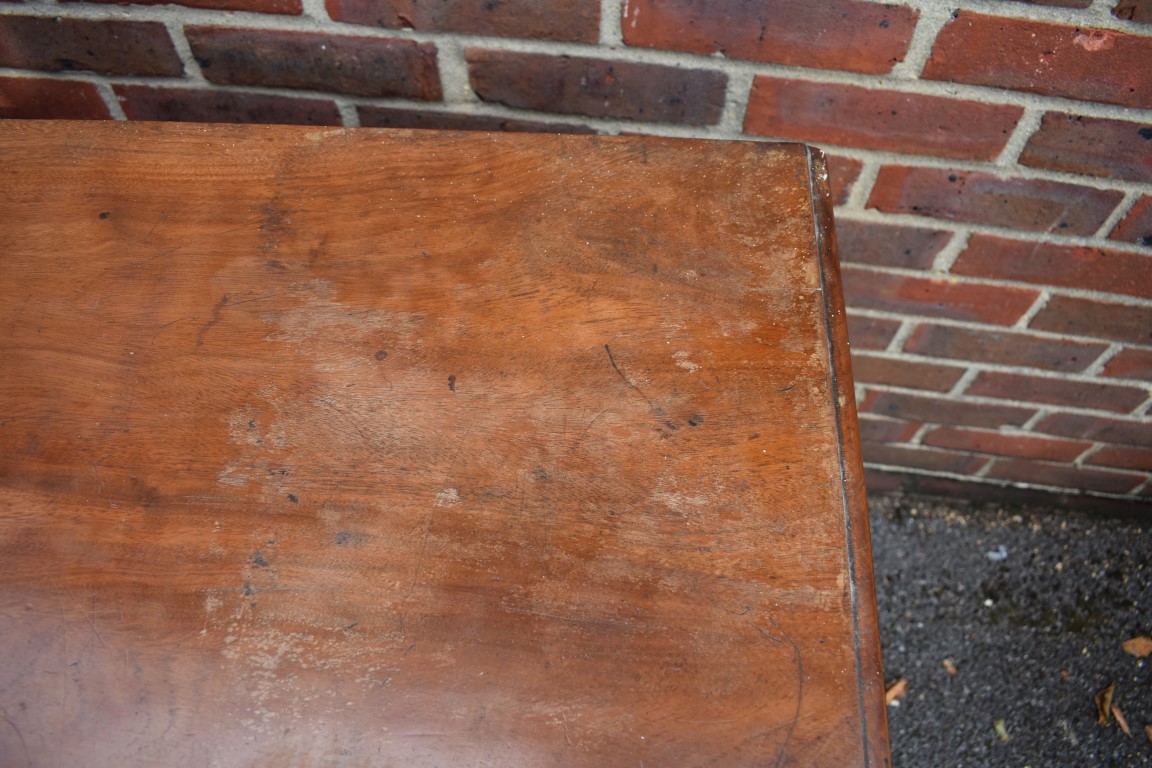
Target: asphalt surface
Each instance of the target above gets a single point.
(1030, 607)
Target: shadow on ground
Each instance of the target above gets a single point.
(1030, 607)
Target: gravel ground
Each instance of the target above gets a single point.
(1030, 607)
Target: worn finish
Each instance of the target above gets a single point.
(328, 447)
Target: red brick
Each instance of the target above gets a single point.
(45, 99)
(1002, 347)
(364, 66)
(1048, 264)
(833, 34)
(1039, 57)
(1136, 226)
(1005, 444)
(851, 116)
(1122, 457)
(873, 430)
(141, 102)
(1131, 364)
(922, 458)
(1064, 476)
(1093, 146)
(1102, 320)
(1059, 3)
(598, 87)
(904, 373)
(981, 198)
(1096, 428)
(397, 117)
(940, 411)
(57, 44)
(889, 245)
(1139, 11)
(291, 7)
(867, 289)
(870, 332)
(1080, 394)
(842, 174)
(575, 20)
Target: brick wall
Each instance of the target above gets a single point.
(992, 162)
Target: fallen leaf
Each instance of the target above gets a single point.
(1001, 731)
(896, 691)
(1138, 646)
(1104, 704)
(1148, 732)
(1116, 713)
(949, 667)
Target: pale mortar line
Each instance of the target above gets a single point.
(1013, 402)
(951, 251)
(1121, 210)
(964, 381)
(737, 95)
(932, 18)
(896, 344)
(315, 9)
(1052, 14)
(1037, 307)
(996, 481)
(1141, 409)
(1030, 425)
(184, 51)
(861, 189)
(111, 100)
(1088, 453)
(454, 79)
(918, 437)
(348, 114)
(979, 366)
(1027, 125)
(1143, 488)
(611, 29)
(1102, 361)
(252, 20)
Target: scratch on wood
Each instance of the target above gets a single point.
(215, 319)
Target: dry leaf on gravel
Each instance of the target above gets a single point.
(896, 691)
(1116, 713)
(1138, 646)
(1104, 704)
(1148, 732)
(949, 666)
(1001, 730)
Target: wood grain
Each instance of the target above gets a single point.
(356, 447)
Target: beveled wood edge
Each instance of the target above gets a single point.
(869, 665)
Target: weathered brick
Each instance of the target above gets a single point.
(1097, 428)
(924, 458)
(851, 116)
(1130, 364)
(1064, 476)
(1098, 319)
(935, 410)
(1058, 3)
(1039, 57)
(982, 198)
(290, 7)
(1122, 457)
(1003, 347)
(1005, 444)
(47, 99)
(889, 245)
(1048, 264)
(936, 298)
(59, 44)
(364, 66)
(573, 20)
(1139, 11)
(398, 117)
(1136, 226)
(842, 174)
(598, 87)
(1093, 146)
(833, 34)
(1080, 394)
(873, 430)
(870, 332)
(141, 102)
(904, 373)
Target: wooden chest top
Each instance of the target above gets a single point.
(352, 447)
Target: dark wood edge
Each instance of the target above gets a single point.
(869, 666)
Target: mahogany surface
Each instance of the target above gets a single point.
(390, 448)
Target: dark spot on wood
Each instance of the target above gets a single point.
(785, 389)
(258, 559)
(696, 420)
(248, 590)
(539, 473)
(380, 355)
(349, 539)
(104, 214)
(452, 382)
(293, 498)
